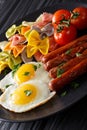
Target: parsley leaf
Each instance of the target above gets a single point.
(78, 54)
(27, 73)
(28, 92)
(75, 84)
(59, 72)
(6, 71)
(15, 68)
(68, 52)
(61, 64)
(8, 85)
(35, 67)
(63, 93)
(39, 65)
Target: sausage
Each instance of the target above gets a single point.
(56, 61)
(79, 69)
(65, 57)
(78, 49)
(38, 56)
(53, 72)
(66, 66)
(62, 49)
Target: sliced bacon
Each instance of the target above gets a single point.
(17, 39)
(45, 18)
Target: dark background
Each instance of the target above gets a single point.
(75, 117)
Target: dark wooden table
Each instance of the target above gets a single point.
(75, 117)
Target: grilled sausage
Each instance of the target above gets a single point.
(61, 50)
(56, 61)
(38, 56)
(66, 66)
(65, 57)
(58, 83)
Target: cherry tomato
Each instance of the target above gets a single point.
(59, 16)
(66, 35)
(79, 18)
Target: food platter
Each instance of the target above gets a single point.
(57, 103)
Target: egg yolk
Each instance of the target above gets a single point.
(24, 73)
(24, 94)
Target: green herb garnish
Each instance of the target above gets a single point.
(35, 67)
(59, 72)
(8, 85)
(39, 65)
(61, 64)
(6, 71)
(78, 54)
(75, 84)
(63, 93)
(15, 68)
(68, 52)
(28, 92)
(27, 73)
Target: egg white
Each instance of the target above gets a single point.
(42, 97)
(40, 74)
(7, 80)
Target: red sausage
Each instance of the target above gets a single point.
(69, 64)
(64, 48)
(79, 69)
(65, 57)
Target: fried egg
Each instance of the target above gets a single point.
(27, 72)
(27, 96)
